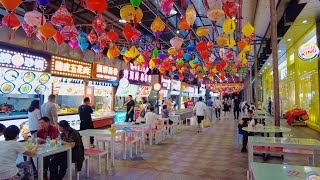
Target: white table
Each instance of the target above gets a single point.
(266, 171)
(107, 133)
(289, 143)
(130, 125)
(44, 152)
(176, 118)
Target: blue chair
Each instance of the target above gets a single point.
(239, 138)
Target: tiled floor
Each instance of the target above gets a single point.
(190, 155)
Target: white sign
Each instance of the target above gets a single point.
(165, 83)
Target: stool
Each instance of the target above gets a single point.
(86, 160)
(188, 119)
(99, 154)
(239, 138)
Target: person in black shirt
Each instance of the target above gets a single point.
(244, 123)
(269, 105)
(236, 107)
(85, 111)
(130, 109)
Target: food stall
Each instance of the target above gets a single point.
(187, 96)
(24, 78)
(164, 91)
(143, 92)
(175, 92)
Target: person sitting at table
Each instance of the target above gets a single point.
(70, 137)
(151, 117)
(245, 122)
(46, 129)
(165, 114)
(10, 148)
(2, 128)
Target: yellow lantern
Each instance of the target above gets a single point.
(172, 51)
(222, 40)
(47, 31)
(242, 55)
(199, 68)
(140, 59)
(202, 31)
(133, 52)
(228, 26)
(244, 61)
(152, 64)
(157, 25)
(129, 13)
(247, 29)
(113, 52)
(214, 70)
(211, 78)
(231, 42)
(191, 64)
(247, 48)
(193, 71)
(191, 14)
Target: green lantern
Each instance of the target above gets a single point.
(155, 52)
(203, 71)
(243, 69)
(228, 68)
(180, 62)
(135, 3)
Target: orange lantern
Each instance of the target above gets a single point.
(113, 52)
(209, 65)
(47, 31)
(202, 31)
(112, 35)
(184, 24)
(172, 51)
(242, 44)
(10, 5)
(222, 40)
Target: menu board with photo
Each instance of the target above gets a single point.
(144, 91)
(68, 86)
(126, 91)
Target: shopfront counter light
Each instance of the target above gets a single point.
(157, 87)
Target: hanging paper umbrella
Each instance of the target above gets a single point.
(58, 38)
(113, 52)
(28, 29)
(128, 32)
(10, 5)
(92, 37)
(97, 5)
(202, 31)
(215, 13)
(176, 42)
(112, 35)
(34, 18)
(201, 46)
(69, 32)
(230, 8)
(99, 24)
(190, 48)
(191, 15)
(11, 21)
(131, 14)
(228, 26)
(62, 17)
(247, 29)
(47, 31)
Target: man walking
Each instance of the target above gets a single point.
(130, 109)
(236, 107)
(217, 106)
(200, 108)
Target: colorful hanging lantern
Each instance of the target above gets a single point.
(247, 29)
(103, 40)
(166, 6)
(212, 58)
(58, 38)
(10, 5)
(184, 24)
(62, 17)
(128, 32)
(34, 18)
(69, 32)
(41, 38)
(136, 35)
(172, 51)
(43, 3)
(155, 52)
(82, 38)
(176, 42)
(228, 26)
(230, 8)
(202, 31)
(191, 48)
(99, 24)
(135, 3)
(83, 46)
(204, 54)
(242, 55)
(73, 44)
(131, 14)
(231, 42)
(132, 53)
(187, 56)
(237, 61)
(242, 44)
(92, 37)
(201, 46)
(157, 25)
(112, 35)
(247, 48)
(210, 45)
(191, 15)
(11, 21)
(97, 5)
(29, 30)
(162, 55)
(152, 65)
(209, 65)
(215, 13)
(222, 40)
(113, 52)
(47, 31)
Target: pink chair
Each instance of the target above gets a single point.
(98, 154)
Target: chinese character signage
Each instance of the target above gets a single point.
(104, 72)
(68, 67)
(138, 68)
(165, 83)
(17, 60)
(136, 76)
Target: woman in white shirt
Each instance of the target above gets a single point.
(151, 117)
(10, 148)
(33, 116)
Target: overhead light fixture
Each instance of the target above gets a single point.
(122, 21)
(289, 40)
(178, 31)
(304, 21)
(173, 12)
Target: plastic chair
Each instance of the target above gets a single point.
(86, 161)
(98, 154)
(239, 138)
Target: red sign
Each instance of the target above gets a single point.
(70, 68)
(104, 72)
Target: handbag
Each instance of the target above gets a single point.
(206, 123)
(143, 112)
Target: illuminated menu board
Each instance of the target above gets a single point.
(18, 60)
(104, 72)
(144, 91)
(137, 74)
(71, 68)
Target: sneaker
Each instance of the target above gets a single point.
(92, 146)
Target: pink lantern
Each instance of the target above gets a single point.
(99, 24)
(28, 29)
(176, 42)
(73, 44)
(34, 18)
(228, 55)
(237, 61)
(166, 6)
(92, 37)
(62, 17)
(69, 32)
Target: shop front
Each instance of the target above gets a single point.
(175, 93)
(24, 78)
(187, 96)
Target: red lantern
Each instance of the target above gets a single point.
(201, 46)
(28, 29)
(11, 21)
(209, 65)
(204, 54)
(58, 38)
(223, 63)
(97, 5)
(103, 40)
(69, 32)
(112, 35)
(126, 59)
(10, 5)
(99, 24)
(128, 32)
(230, 8)
(62, 17)
(136, 35)
(92, 37)
(156, 60)
(210, 45)
(218, 67)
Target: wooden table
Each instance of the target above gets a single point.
(122, 125)
(266, 171)
(107, 133)
(288, 143)
(44, 152)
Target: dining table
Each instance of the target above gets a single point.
(111, 135)
(266, 129)
(262, 118)
(267, 171)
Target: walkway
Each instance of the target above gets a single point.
(189, 155)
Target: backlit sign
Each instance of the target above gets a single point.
(165, 83)
(308, 52)
(71, 68)
(104, 72)
(136, 76)
(18, 60)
